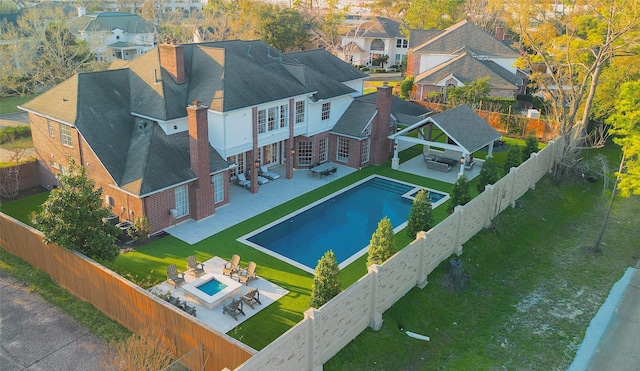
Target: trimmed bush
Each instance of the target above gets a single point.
(420, 216)
(459, 194)
(326, 282)
(488, 174)
(382, 245)
(514, 158)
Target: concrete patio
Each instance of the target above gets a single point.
(214, 318)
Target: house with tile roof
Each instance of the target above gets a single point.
(166, 134)
(112, 35)
(372, 39)
(461, 54)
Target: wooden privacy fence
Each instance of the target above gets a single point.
(324, 331)
(123, 301)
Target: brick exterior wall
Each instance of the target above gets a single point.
(253, 154)
(172, 60)
(413, 64)
(380, 144)
(201, 193)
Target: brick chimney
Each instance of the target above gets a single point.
(499, 33)
(172, 60)
(203, 201)
(380, 144)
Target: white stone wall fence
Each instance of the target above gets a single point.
(325, 331)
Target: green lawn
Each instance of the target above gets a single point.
(534, 287)
(10, 104)
(517, 261)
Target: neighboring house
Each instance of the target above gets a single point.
(155, 154)
(112, 35)
(460, 54)
(372, 39)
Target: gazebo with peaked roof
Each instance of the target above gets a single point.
(465, 132)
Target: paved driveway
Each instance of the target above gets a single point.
(35, 335)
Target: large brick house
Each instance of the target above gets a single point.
(165, 134)
(461, 54)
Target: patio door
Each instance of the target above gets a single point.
(271, 154)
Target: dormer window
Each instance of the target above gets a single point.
(326, 110)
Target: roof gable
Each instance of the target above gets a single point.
(463, 125)
(464, 34)
(108, 21)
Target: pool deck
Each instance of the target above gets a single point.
(245, 205)
(214, 318)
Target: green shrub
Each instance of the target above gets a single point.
(11, 133)
(514, 158)
(488, 174)
(459, 194)
(326, 282)
(420, 216)
(382, 245)
(406, 86)
(531, 146)
(379, 70)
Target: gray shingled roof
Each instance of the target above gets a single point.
(363, 109)
(417, 37)
(464, 34)
(327, 64)
(467, 69)
(468, 130)
(378, 27)
(108, 21)
(138, 155)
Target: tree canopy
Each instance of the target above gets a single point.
(626, 128)
(469, 94)
(72, 217)
(429, 14)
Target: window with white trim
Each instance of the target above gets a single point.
(402, 43)
(271, 118)
(322, 149)
(342, 150)
(365, 150)
(65, 135)
(305, 153)
(218, 187)
(284, 116)
(50, 127)
(326, 110)
(299, 111)
(262, 121)
(182, 200)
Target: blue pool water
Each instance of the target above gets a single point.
(212, 287)
(343, 222)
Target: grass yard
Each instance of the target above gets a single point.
(534, 288)
(517, 305)
(10, 104)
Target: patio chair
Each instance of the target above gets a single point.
(232, 266)
(193, 267)
(190, 310)
(234, 308)
(242, 180)
(248, 274)
(174, 277)
(252, 297)
(268, 174)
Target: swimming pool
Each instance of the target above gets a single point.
(343, 222)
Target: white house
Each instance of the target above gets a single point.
(372, 39)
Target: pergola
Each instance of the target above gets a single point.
(466, 133)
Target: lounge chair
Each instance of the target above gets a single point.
(252, 297)
(234, 308)
(242, 180)
(232, 266)
(261, 180)
(193, 267)
(173, 276)
(248, 274)
(268, 174)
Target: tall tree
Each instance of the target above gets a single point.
(626, 128)
(572, 50)
(430, 14)
(72, 217)
(284, 29)
(326, 282)
(420, 216)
